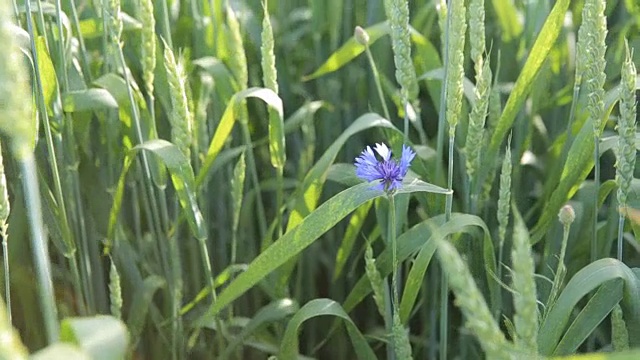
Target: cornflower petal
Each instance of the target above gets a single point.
(389, 172)
(384, 151)
(405, 159)
(367, 165)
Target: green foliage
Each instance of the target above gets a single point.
(209, 240)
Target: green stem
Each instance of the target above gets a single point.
(596, 180)
(77, 212)
(500, 256)
(204, 251)
(166, 27)
(565, 240)
(16, 15)
(391, 293)
(253, 172)
(394, 246)
(86, 70)
(444, 284)
(7, 278)
(279, 200)
(39, 247)
(41, 23)
(394, 257)
(376, 78)
(152, 205)
(449, 202)
(620, 232)
(145, 160)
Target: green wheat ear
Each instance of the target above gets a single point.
(524, 288)
(181, 118)
(114, 30)
(237, 61)
(398, 14)
(477, 32)
(269, 73)
(619, 332)
(477, 119)
(455, 64)
(470, 301)
(375, 279)
(148, 46)
(504, 196)
(592, 59)
(401, 343)
(626, 151)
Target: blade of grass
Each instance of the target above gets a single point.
(322, 307)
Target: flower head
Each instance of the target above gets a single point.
(390, 171)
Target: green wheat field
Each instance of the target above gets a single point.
(319, 179)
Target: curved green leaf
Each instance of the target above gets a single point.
(301, 115)
(220, 280)
(412, 241)
(93, 27)
(349, 51)
(596, 310)
(295, 240)
(322, 307)
(228, 120)
(585, 281)
(142, 299)
(117, 87)
(292, 123)
(182, 179)
(467, 86)
(88, 100)
(183, 182)
(437, 230)
(307, 195)
(277, 144)
(507, 15)
(414, 280)
(274, 311)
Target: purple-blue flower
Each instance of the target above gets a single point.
(390, 171)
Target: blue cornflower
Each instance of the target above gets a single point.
(391, 172)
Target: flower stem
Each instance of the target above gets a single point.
(394, 249)
(394, 256)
